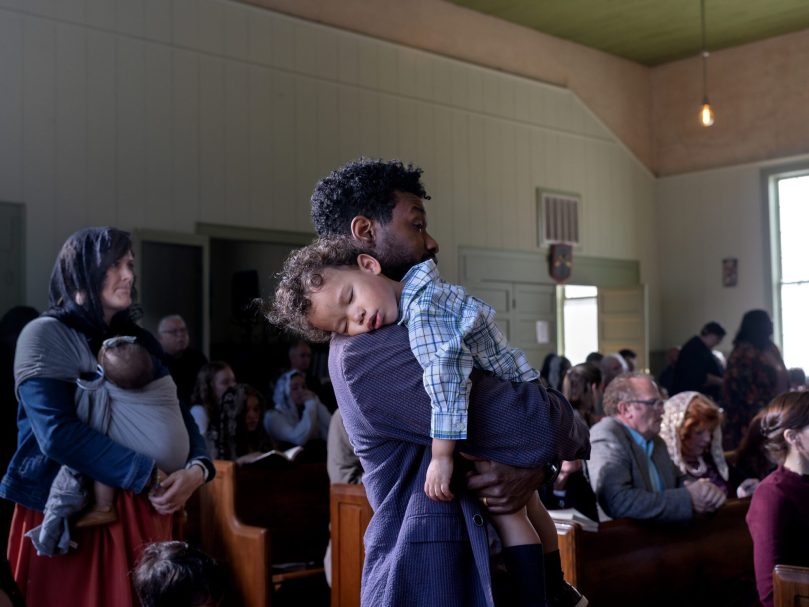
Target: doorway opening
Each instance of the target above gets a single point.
(579, 321)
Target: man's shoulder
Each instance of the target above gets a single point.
(607, 426)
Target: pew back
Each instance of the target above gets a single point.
(708, 561)
(254, 518)
(790, 586)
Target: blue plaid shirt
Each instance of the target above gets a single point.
(450, 333)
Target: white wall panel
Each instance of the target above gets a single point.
(184, 111)
(130, 17)
(186, 147)
(157, 20)
(260, 147)
(212, 21)
(157, 200)
(237, 143)
(212, 140)
(101, 128)
(71, 127)
(131, 142)
(11, 107)
(38, 153)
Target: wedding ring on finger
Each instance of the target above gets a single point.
(485, 501)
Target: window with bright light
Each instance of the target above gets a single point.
(580, 322)
(793, 222)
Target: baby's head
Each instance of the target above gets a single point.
(334, 286)
(126, 363)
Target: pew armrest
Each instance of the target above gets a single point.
(245, 549)
(790, 586)
(350, 515)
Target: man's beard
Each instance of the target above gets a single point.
(395, 263)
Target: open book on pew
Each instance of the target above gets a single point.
(271, 457)
(568, 515)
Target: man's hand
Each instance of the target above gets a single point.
(705, 496)
(567, 469)
(176, 489)
(506, 489)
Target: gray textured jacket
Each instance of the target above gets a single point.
(619, 474)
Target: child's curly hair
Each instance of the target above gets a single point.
(302, 275)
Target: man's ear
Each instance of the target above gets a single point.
(369, 264)
(362, 229)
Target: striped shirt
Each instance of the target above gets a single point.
(450, 333)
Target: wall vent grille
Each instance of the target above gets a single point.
(559, 217)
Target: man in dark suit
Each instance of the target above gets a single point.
(697, 368)
(418, 551)
(182, 361)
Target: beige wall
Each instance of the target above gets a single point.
(761, 98)
(701, 219)
(158, 115)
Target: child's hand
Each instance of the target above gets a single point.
(439, 474)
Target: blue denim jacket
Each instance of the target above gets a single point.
(49, 434)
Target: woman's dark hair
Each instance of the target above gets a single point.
(203, 392)
(788, 411)
(233, 438)
(577, 388)
(756, 329)
(366, 187)
(174, 574)
(553, 370)
(750, 457)
(77, 279)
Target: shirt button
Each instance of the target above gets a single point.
(478, 520)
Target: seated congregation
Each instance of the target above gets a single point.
(459, 476)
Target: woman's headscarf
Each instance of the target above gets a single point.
(77, 279)
(281, 396)
(674, 418)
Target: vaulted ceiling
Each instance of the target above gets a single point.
(652, 32)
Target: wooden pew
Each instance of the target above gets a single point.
(252, 518)
(790, 586)
(708, 561)
(350, 515)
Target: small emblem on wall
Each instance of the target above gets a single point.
(560, 261)
(730, 272)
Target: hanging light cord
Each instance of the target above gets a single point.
(704, 53)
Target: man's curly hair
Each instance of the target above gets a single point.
(302, 275)
(362, 187)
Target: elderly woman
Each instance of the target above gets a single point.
(298, 416)
(778, 517)
(691, 429)
(90, 298)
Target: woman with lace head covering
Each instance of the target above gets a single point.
(90, 300)
(691, 428)
(298, 415)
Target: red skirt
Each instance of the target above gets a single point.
(96, 574)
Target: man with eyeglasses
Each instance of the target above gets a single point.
(630, 469)
(182, 361)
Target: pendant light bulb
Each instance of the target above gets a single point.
(706, 116)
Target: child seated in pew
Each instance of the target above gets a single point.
(334, 286)
(174, 574)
